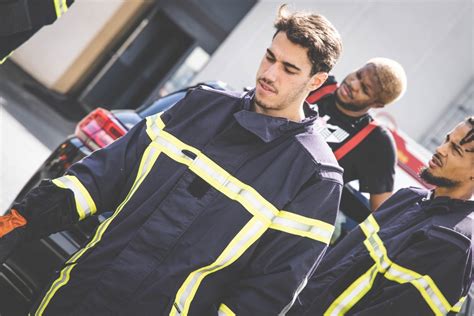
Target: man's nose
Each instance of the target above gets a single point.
(354, 84)
(442, 149)
(271, 73)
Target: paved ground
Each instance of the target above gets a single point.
(29, 130)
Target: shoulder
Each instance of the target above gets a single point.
(321, 154)
(382, 135)
(455, 224)
(413, 194)
(450, 236)
(400, 201)
(203, 90)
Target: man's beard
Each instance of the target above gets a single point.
(350, 106)
(282, 103)
(442, 182)
(262, 105)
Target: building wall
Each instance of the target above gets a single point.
(432, 39)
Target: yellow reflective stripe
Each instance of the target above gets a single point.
(225, 311)
(60, 7)
(457, 307)
(432, 295)
(370, 226)
(154, 126)
(303, 226)
(234, 189)
(378, 252)
(347, 299)
(60, 281)
(6, 57)
(250, 233)
(392, 271)
(85, 205)
(149, 158)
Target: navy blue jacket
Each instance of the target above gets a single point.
(217, 208)
(413, 257)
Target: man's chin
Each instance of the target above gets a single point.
(262, 103)
(427, 175)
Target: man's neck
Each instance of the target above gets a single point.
(462, 193)
(288, 113)
(350, 113)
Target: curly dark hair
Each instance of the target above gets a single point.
(314, 32)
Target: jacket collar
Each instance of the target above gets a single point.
(446, 204)
(268, 128)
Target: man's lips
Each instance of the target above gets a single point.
(345, 90)
(266, 87)
(435, 162)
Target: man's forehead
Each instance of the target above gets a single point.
(288, 51)
(370, 72)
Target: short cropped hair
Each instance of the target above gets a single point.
(314, 32)
(392, 78)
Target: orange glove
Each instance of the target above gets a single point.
(11, 221)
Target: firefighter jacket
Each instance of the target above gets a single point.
(21, 19)
(218, 209)
(412, 257)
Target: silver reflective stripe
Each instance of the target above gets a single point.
(350, 299)
(78, 196)
(326, 234)
(259, 207)
(434, 298)
(399, 274)
(369, 226)
(231, 255)
(379, 252)
(156, 130)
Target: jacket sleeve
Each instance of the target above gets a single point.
(443, 263)
(282, 261)
(90, 186)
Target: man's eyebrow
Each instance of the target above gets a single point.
(287, 64)
(269, 52)
(456, 145)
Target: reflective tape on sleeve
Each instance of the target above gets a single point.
(61, 7)
(85, 205)
(225, 311)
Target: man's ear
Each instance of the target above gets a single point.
(317, 80)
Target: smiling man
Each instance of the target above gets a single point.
(223, 204)
(364, 150)
(414, 255)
